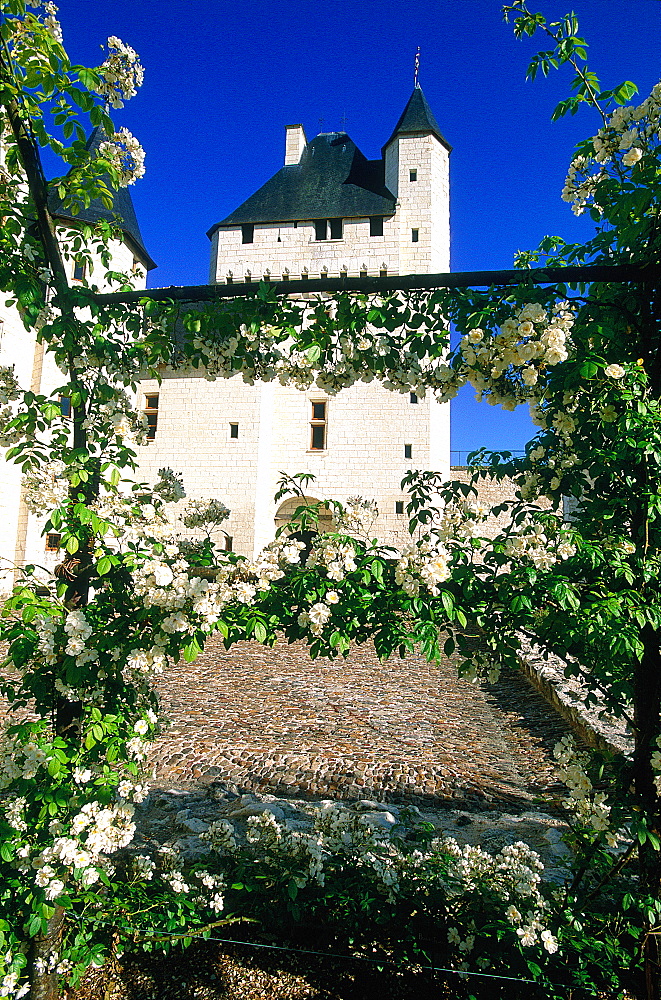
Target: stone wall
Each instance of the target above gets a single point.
(367, 428)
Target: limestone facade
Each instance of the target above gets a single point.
(234, 441)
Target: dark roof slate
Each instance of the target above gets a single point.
(121, 214)
(417, 117)
(332, 180)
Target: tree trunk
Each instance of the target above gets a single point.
(44, 985)
(647, 712)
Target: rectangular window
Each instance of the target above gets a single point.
(53, 539)
(65, 406)
(151, 412)
(376, 225)
(408, 451)
(248, 233)
(413, 398)
(229, 543)
(335, 229)
(415, 233)
(318, 427)
(234, 431)
(79, 270)
(413, 175)
(320, 229)
(399, 506)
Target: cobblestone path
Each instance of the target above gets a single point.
(272, 720)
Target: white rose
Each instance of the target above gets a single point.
(632, 157)
(614, 371)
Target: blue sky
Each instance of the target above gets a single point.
(223, 79)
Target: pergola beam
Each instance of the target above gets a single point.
(569, 274)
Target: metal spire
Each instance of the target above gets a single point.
(417, 68)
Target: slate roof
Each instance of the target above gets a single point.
(121, 214)
(333, 180)
(417, 117)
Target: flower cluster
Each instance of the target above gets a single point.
(508, 367)
(422, 563)
(529, 540)
(334, 554)
(514, 875)
(120, 74)
(356, 517)
(45, 488)
(117, 417)
(9, 392)
(629, 133)
(589, 806)
(169, 486)
(125, 155)
(205, 514)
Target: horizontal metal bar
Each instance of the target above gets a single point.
(394, 283)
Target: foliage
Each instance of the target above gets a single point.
(87, 643)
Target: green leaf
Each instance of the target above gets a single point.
(191, 650)
(72, 544)
(448, 604)
(260, 631)
(104, 566)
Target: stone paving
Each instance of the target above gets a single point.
(274, 721)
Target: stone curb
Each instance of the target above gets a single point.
(546, 673)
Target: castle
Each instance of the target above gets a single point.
(329, 211)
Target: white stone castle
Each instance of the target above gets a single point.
(328, 212)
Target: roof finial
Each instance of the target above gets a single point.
(417, 68)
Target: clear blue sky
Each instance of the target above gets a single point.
(224, 78)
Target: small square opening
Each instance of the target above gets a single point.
(229, 543)
(234, 431)
(53, 540)
(408, 451)
(335, 229)
(320, 229)
(413, 398)
(248, 233)
(399, 506)
(415, 235)
(413, 175)
(376, 225)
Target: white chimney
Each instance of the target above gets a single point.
(295, 144)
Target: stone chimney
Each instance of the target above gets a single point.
(295, 144)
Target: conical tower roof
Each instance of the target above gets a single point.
(122, 213)
(417, 118)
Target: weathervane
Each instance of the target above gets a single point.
(417, 68)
